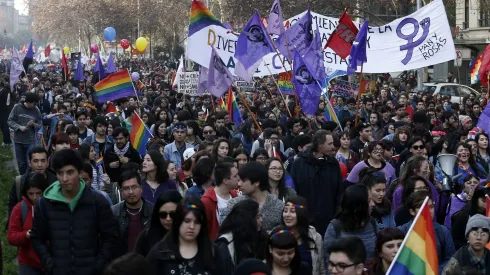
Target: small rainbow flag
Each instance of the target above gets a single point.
(418, 253)
(139, 135)
(140, 86)
(115, 86)
(221, 103)
(111, 109)
(99, 161)
(473, 68)
(201, 17)
(233, 110)
(329, 113)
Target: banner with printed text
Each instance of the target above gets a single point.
(420, 39)
(188, 83)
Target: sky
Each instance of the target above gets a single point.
(20, 6)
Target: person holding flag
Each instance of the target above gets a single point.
(119, 154)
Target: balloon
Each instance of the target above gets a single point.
(54, 56)
(66, 50)
(109, 33)
(124, 43)
(94, 48)
(135, 76)
(141, 44)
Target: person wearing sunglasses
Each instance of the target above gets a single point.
(160, 222)
(133, 213)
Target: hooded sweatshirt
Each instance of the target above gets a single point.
(53, 192)
(20, 116)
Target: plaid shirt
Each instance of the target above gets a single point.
(479, 265)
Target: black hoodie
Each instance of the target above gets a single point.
(319, 181)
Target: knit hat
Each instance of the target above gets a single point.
(477, 221)
(252, 266)
(464, 119)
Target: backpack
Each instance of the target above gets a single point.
(18, 183)
(336, 226)
(24, 208)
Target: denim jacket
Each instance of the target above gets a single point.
(91, 140)
(171, 153)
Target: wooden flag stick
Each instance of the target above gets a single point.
(279, 89)
(249, 111)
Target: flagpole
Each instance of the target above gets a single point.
(249, 111)
(408, 234)
(359, 95)
(142, 122)
(134, 89)
(280, 92)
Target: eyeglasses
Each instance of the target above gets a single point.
(163, 215)
(477, 234)
(130, 188)
(422, 188)
(418, 147)
(276, 169)
(339, 266)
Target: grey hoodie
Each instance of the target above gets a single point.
(20, 116)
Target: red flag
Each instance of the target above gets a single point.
(111, 109)
(484, 67)
(47, 50)
(64, 65)
(341, 39)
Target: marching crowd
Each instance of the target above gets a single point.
(280, 193)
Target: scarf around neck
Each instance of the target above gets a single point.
(123, 151)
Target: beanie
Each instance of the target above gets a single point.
(252, 266)
(464, 119)
(477, 221)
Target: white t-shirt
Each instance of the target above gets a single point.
(220, 211)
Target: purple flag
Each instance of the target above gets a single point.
(99, 68)
(483, 120)
(307, 87)
(110, 68)
(253, 43)
(79, 76)
(358, 54)
(275, 23)
(202, 81)
(16, 69)
(314, 58)
(29, 57)
(219, 78)
(298, 37)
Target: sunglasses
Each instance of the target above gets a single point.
(163, 215)
(207, 132)
(419, 147)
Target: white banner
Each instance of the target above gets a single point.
(188, 83)
(415, 41)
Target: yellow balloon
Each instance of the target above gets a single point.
(141, 44)
(66, 50)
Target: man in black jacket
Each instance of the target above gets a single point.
(73, 229)
(133, 213)
(316, 174)
(120, 153)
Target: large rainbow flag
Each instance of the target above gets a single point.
(201, 17)
(418, 253)
(473, 69)
(115, 86)
(139, 135)
(233, 110)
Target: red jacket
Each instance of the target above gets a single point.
(16, 235)
(210, 205)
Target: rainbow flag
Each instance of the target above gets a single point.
(222, 104)
(474, 66)
(115, 86)
(418, 253)
(139, 135)
(201, 17)
(233, 110)
(99, 161)
(329, 113)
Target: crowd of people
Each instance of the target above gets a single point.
(280, 193)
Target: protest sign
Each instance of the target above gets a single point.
(188, 83)
(420, 39)
(244, 86)
(285, 84)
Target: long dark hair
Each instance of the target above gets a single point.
(354, 208)
(471, 160)
(204, 245)
(281, 187)
(155, 130)
(214, 154)
(302, 225)
(409, 186)
(156, 231)
(384, 235)
(241, 222)
(369, 178)
(161, 174)
(34, 180)
(282, 238)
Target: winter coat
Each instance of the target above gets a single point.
(16, 235)
(210, 202)
(319, 181)
(318, 265)
(122, 218)
(110, 156)
(76, 237)
(460, 263)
